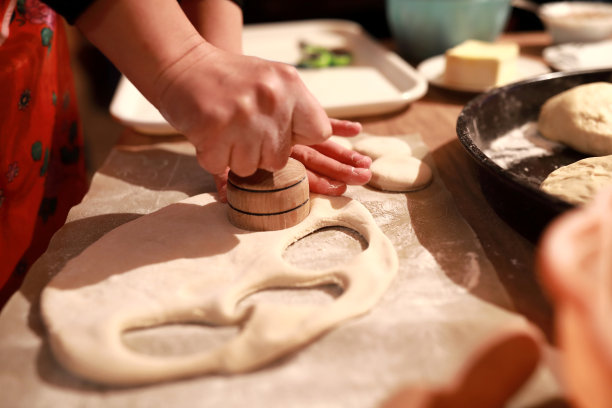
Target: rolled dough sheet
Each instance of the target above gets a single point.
(187, 263)
(445, 299)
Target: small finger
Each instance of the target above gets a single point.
(342, 154)
(344, 127)
(323, 185)
(326, 166)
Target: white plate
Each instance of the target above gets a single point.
(579, 56)
(433, 69)
(378, 81)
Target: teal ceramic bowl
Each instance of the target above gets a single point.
(424, 28)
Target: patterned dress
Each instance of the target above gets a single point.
(42, 170)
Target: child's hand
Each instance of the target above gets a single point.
(330, 167)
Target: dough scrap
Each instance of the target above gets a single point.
(580, 117)
(378, 146)
(187, 263)
(579, 182)
(399, 173)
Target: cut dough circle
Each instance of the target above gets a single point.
(379, 146)
(580, 117)
(187, 263)
(579, 182)
(399, 173)
(342, 141)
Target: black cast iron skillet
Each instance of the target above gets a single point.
(514, 192)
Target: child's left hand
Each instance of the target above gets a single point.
(329, 166)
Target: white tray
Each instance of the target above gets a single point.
(378, 81)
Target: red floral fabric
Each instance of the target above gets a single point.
(42, 169)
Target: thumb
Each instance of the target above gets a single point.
(345, 127)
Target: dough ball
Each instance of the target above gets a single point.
(399, 173)
(579, 182)
(581, 118)
(342, 141)
(378, 146)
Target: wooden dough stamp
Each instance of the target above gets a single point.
(269, 201)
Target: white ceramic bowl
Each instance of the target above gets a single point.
(577, 21)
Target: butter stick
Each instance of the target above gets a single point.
(481, 65)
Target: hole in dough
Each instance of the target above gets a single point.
(325, 248)
(319, 295)
(178, 338)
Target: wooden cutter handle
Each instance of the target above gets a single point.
(268, 201)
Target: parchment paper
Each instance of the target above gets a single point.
(444, 302)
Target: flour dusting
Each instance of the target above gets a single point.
(519, 144)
